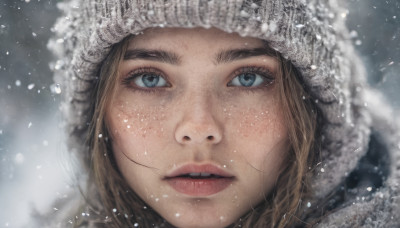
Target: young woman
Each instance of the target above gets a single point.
(222, 113)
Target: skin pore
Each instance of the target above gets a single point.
(198, 97)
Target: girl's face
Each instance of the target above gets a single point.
(196, 126)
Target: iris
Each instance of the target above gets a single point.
(150, 80)
(247, 79)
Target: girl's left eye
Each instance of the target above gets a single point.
(247, 80)
(250, 79)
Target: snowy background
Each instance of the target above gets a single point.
(34, 167)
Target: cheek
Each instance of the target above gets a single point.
(259, 133)
(137, 131)
(137, 121)
(262, 120)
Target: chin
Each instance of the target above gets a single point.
(200, 223)
(200, 217)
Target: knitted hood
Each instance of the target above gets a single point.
(310, 33)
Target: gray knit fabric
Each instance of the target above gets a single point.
(310, 33)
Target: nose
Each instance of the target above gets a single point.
(198, 124)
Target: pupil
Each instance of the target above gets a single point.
(247, 79)
(150, 80)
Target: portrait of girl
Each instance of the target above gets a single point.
(231, 113)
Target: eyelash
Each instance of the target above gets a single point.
(262, 71)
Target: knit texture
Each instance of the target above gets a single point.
(310, 33)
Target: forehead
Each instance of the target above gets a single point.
(192, 38)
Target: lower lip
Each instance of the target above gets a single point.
(199, 187)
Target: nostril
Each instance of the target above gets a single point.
(210, 137)
(186, 138)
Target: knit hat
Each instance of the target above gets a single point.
(309, 33)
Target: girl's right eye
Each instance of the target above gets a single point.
(149, 80)
(146, 79)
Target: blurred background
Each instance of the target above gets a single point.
(34, 166)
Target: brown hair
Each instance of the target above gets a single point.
(124, 208)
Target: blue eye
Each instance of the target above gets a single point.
(247, 80)
(149, 80)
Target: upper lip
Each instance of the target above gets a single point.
(199, 170)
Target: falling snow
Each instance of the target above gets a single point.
(17, 83)
(55, 88)
(31, 86)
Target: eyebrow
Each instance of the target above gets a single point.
(224, 56)
(237, 54)
(155, 55)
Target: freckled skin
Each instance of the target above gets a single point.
(141, 121)
(249, 135)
